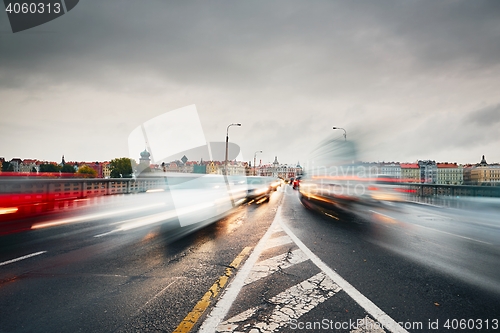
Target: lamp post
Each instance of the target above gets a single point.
(345, 133)
(254, 157)
(227, 140)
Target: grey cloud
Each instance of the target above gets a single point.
(319, 60)
(487, 116)
(253, 43)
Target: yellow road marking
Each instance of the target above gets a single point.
(190, 320)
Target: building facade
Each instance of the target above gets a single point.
(392, 170)
(410, 172)
(484, 174)
(428, 172)
(449, 174)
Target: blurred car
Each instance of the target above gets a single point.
(259, 187)
(386, 188)
(276, 183)
(296, 182)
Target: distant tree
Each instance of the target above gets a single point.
(49, 167)
(6, 166)
(68, 168)
(122, 167)
(86, 172)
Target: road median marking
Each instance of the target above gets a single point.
(192, 318)
(219, 312)
(377, 313)
(21, 258)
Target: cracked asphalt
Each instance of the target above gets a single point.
(150, 278)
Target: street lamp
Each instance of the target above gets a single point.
(345, 133)
(254, 167)
(227, 140)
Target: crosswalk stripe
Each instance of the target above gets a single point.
(294, 302)
(278, 241)
(289, 304)
(269, 266)
(377, 313)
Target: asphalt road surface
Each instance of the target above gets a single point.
(266, 267)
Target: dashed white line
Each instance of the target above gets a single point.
(441, 231)
(390, 217)
(451, 234)
(22, 258)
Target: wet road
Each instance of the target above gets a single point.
(416, 265)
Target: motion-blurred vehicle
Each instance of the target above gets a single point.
(276, 183)
(334, 178)
(296, 182)
(259, 187)
(385, 188)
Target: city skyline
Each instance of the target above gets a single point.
(250, 162)
(408, 81)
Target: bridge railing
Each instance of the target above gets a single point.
(429, 190)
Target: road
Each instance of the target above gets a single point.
(121, 269)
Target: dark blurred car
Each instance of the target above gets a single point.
(296, 182)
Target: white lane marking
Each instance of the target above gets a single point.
(158, 294)
(232, 291)
(289, 305)
(451, 234)
(444, 232)
(426, 204)
(107, 233)
(278, 241)
(364, 302)
(269, 266)
(21, 258)
(392, 218)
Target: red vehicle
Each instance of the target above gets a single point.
(296, 182)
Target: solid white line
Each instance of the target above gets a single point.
(106, 233)
(426, 204)
(444, 232)
(451, 234)
(382, 214)
(222, 308)
(379, 315)
(21, 258)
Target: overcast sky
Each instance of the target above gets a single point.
(407, 79)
